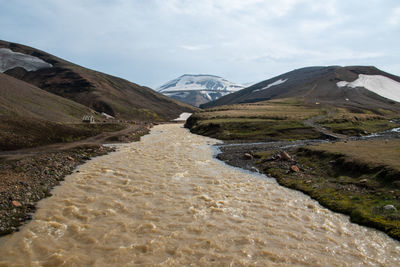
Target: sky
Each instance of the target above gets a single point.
(150, 42)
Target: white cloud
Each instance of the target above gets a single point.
(194, 47)
(154, 40)
(394, 19)
(318, 26)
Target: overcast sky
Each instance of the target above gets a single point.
(153, 41)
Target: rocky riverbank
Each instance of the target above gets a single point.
(27, 176)
(26, 181)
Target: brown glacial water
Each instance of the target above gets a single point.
(165, 201)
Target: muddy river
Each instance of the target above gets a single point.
(165, 201)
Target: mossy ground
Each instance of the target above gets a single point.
(344, 182)
(254, 129)
(359, 126)
(283, 119)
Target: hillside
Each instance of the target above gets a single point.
(21, 99)
(198, 89)
(355, 87)
(30, 117)
(99, 91)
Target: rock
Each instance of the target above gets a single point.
(23, 183)
(16, 203)
(286, 156)
(248, 156)
(294, 168)
(363, 180)
(70, 158)
(389, 208)
(308, 181)
(277, 157)
(255, 169)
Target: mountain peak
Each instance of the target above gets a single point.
(197, 89)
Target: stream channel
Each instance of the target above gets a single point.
(166, 201)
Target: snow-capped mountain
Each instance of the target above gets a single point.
(356, 87)
(198, 89)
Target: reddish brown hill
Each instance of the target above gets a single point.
(99, 91)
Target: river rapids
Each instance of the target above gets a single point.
(166, 201)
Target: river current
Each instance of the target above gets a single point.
(165, 201)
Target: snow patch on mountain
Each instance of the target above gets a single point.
(378, 84)
(10, 59)
(278, 82)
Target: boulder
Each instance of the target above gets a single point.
(294, 168)
(286, 156)
(389, 208)
(248, 156)
(16, 203)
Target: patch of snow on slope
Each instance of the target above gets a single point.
(183, 117)
(278, 82)
(206, 95)
(378, 84)
(10, 59)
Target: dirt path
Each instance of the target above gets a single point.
(123, 135)
(312, 122)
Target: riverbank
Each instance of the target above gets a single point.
(344, 176)
(28, 175)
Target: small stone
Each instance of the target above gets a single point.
(23, 183)
(277, 157)
(363, 180)
(308, 181)
(16, 203)
(248, 156)
(70, 158)
(286, 156)
(255, 169)
(389, 208)
(294, 168)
